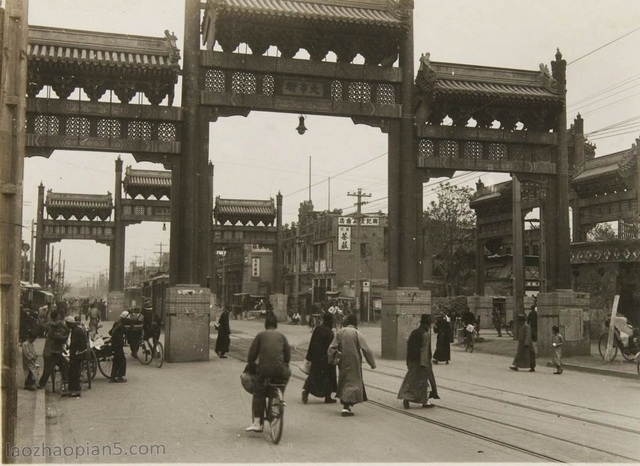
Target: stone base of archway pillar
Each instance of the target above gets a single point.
(482, 307)
(401, 311)
(279, 303)
(186, 325)
(569, 310)
(115, 305)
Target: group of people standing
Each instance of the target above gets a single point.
(60, 331)
(70, 334)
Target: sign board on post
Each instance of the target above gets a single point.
(366, 287)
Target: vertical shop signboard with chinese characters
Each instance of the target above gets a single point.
(344, 238)
(255, 267)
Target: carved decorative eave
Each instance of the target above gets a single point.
(66, 59)
(147, 183)
(244, 211)
(68, 205)
(608, 172)
(510, 86)
(318, 26)
(487, 94)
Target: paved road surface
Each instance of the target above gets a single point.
(198, 411)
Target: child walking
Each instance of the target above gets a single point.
(557, 341)
(29, 358)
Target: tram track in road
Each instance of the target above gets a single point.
(518, 427)
(242, 350)
(525, 406)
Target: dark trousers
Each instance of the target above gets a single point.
(258, 403)
(50, 363)
(75, 368)
(30, 381)
(119, 368)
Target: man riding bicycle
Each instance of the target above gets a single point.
(467, 318)
(269, 355)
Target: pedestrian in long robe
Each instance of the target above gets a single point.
(443, 340)
(419, 378)
(321, 381)
(223, 341)
(525, 354)
(119, 367)
(350, 345)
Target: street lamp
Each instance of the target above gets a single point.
(301, 129)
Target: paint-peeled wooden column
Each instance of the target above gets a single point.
(188, 299)
(403, 302)
(115, 298)
(39, 262)
(13, 91)
(563, 241)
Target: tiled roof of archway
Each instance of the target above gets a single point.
(48, 44)
(75, 205)
(148, 178)
(452, 80)
(607, 165)
(147, 183)
(378, 12)
(244, 211)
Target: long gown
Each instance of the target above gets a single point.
(321, 381)
(443, 342)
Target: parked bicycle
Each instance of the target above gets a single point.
(148, 352)
(629, 350)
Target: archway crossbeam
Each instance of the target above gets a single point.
(525, 105)
(66, 60)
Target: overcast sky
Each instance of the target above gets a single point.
(257, 156)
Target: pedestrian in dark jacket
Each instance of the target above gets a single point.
(77, 353)
(223, 341)
(269, 354)
(119, 368)
(321, 381)
(57, 335)
(443, 340)
(415, 386)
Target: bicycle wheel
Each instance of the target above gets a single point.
(627, 355)
(158, 355)
(90, 367)
(275, 415)
(105, 364)
(602, 346)
(509, 328)
(145, 353)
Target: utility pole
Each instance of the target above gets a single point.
(161, 259)
(358, 205)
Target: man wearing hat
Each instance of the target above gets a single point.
(57, 335)
(119, 368)
(77, 352)
(415, 386)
